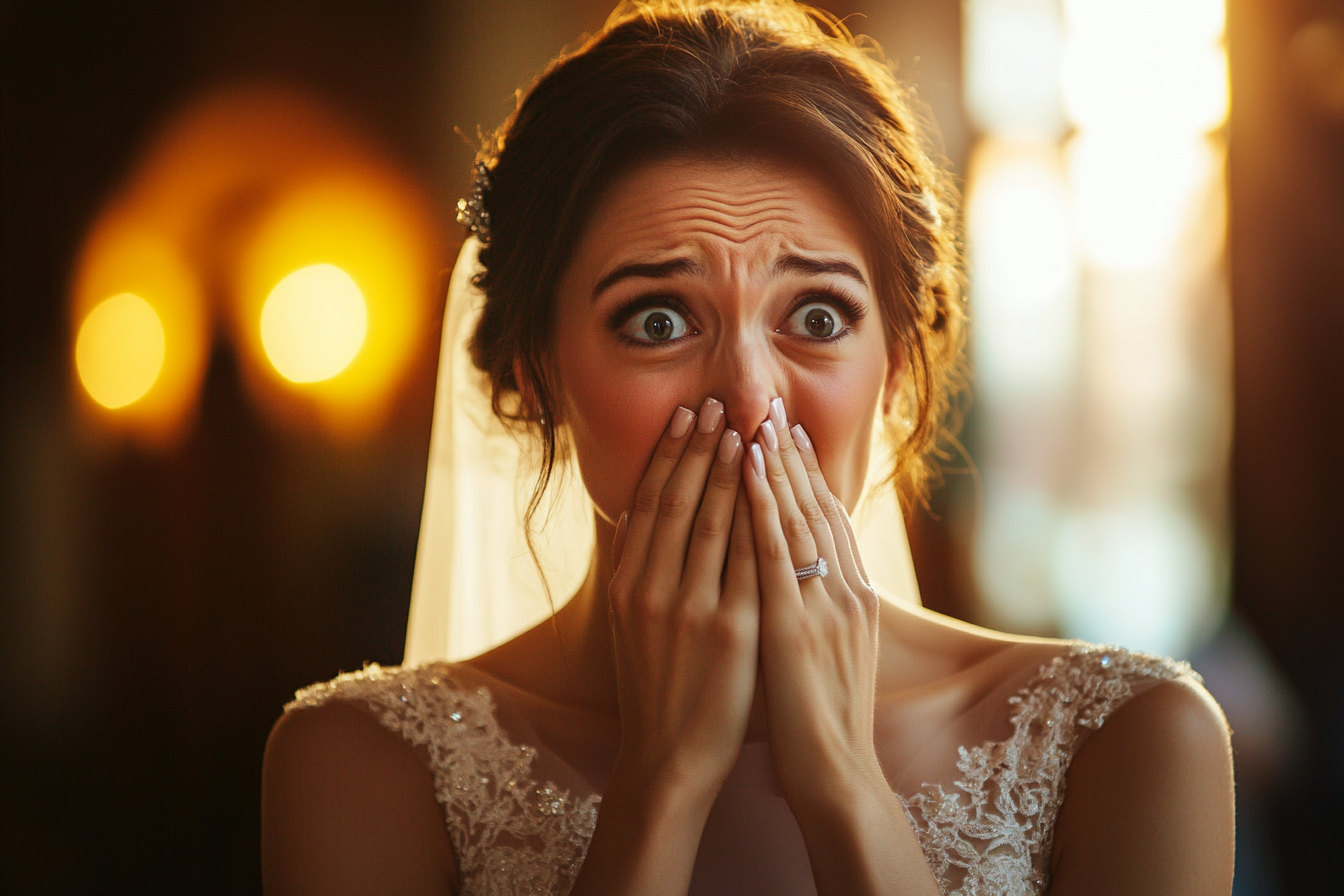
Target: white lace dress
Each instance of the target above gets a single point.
(988, 831)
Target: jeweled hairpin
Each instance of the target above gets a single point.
(471, 212)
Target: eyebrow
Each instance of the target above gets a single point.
(797, 264)
(793, 264)
(658, 271)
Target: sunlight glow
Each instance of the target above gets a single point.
(1095, 244)
(119, 352)
(313, 323)
(1025, 286)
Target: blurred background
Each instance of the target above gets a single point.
(225, 231)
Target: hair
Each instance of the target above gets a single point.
(721, 79)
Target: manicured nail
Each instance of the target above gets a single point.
(757, 460)
(681, 423)
(711, 412)
(800, 437)
(728, 446)
(777, 414)
(771, 437)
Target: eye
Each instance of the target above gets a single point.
(818, 320)
(658, 324)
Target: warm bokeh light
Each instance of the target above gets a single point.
(350, 251)
(244, 188)
(1134, 195)
(1156, 66)
(1100, 339)
(1026, 278)
(1012, 51)
(119, 352)
(313, 323)
(139, 328)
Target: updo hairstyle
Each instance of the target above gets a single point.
(766, 79)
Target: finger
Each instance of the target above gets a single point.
(803, 549)
(854, 540)
(741, 589)
(705, 555)
(774, 556)
(804, 495)
(639, 528)
(618, 540)
(846, 545)
(680, 499)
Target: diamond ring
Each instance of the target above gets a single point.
(816, 569)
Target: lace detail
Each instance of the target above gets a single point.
(991, 834)
(511, 835)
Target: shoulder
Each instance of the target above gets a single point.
(1153, 781)
(348, 806)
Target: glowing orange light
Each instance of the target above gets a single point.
(119, 353)
(140, 328)
(337, 274)
(313, 323)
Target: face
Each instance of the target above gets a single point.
(740, 281)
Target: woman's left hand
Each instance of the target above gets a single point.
(819, 636)
(819, 656)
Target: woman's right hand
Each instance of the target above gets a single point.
(685, 619)
(685, 612)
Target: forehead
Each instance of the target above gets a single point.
(734, 216)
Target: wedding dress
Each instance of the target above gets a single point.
(520, 811)
(519, 778)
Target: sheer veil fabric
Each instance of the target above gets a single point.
(476, 584)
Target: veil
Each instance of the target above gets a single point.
(476, 584)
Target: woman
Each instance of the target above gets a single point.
(714, 253)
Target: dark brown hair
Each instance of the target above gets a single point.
(718, 78)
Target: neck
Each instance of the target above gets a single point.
(583, 631)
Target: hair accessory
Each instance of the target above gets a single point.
(471, 212)
(816, 569)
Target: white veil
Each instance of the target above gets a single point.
(476, 584)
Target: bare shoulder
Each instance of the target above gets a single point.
(1149, 800)
(920, 646)
(347, 807)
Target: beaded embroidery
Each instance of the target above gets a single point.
(991, 834)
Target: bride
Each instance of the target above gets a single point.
(712, 253)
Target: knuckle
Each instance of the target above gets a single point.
(813, 513)
(796, 526)
(729, 631)
(777, 552)
(668, 449)
(646, 499)
(673, 503)
(710, 526)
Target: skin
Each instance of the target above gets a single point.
(691, 634)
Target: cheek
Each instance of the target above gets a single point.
(838, 413)
(615, 419)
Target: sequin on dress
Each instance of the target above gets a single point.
(989, 832)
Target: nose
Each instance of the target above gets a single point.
(746, 377)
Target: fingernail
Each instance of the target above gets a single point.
(681, 423)
(728, 446)
(711, 412)
(771, 438)
(800, 437)
(777, 414)
(757, 460)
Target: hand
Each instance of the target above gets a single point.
(685, 612)
(819, 636)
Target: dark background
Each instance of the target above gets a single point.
(157, 608)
